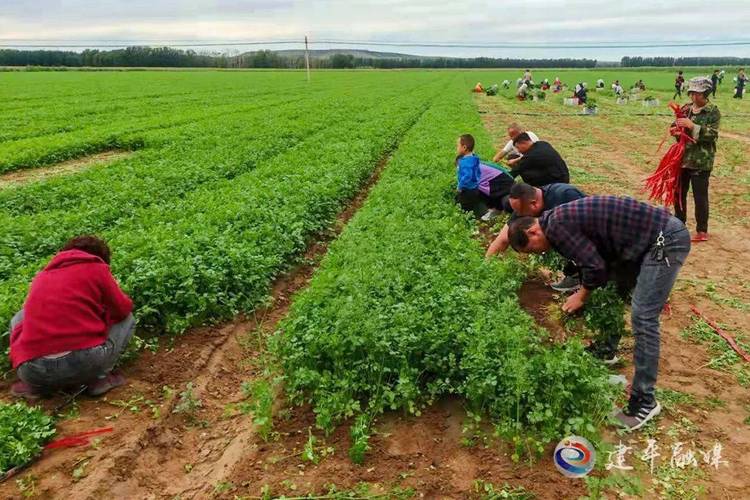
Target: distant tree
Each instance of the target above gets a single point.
(340, 61)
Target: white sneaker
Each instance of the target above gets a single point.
(492, 213)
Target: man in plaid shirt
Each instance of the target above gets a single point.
(601, 233)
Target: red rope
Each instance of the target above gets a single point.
(80, 439)
(730, 340)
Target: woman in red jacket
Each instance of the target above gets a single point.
(75, 324)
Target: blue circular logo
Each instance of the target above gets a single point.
(574, 456)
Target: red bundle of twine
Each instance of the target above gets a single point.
(664, 183)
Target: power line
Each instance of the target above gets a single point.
(456, 45)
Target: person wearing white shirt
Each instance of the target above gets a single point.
(509, 150)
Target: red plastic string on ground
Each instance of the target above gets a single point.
(730, 340)
(664, 183)
(80, 439)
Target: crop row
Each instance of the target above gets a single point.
(64, 131)
(48, 213)
(404, 309)
(212, 252)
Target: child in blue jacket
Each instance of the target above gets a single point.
(469, 174)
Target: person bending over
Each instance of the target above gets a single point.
(598, 232)
(74, 325)
(526, 200)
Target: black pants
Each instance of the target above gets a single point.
(677, 92)
(499, 191)
(738, 93)
(699, 181)
(471, 201)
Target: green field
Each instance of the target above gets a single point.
(232, 174)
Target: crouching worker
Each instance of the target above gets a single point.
(75, 324)
(480, 186)
(527, 200)
(599, 232)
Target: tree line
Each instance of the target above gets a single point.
(629, 62)
(176, 58)
(167, 57)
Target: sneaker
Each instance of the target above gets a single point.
(105, 384)
(567, 284)
(636, 415)
(699, 237)
(492, 213)
(603, 354)
(21, 389)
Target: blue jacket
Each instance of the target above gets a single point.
(468, 172)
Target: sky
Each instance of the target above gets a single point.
(556, 24)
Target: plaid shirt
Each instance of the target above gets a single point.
(600, 230)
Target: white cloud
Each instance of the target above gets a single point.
(471, 21)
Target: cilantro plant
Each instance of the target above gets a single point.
(23, 431)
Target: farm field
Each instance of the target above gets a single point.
(315, 314)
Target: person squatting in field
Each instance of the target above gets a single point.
(540, 164)
(482, 189)
(509, 151)
(599, 233)
(526, 200)
(702, 120)
(75, 324)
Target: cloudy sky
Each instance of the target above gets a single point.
(556, 24)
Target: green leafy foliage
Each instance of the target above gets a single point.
(404, 309)
(604, 313)
(261, 394)
(209, 212)
(24, 431)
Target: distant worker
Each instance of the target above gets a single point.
(545, 84)
(580, 93)
(721, 76)
(509, 151)
(506, 84)
(640, 85)
(523, 91)
(740, 86)
(702, 120)
(617, 88)
(557, 85)
(527, 76)
(540, 164)
(714, 82)
(74, 326)
(678, 81)
(600, 83)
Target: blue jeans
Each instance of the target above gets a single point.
(655, 280)
(77, 367)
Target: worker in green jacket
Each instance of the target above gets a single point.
(701, 121)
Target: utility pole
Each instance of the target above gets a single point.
(307, 59)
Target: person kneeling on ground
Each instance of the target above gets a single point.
(540, 164)
(598, 232)
(480, 186)
(526, 200)
(74, 325)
